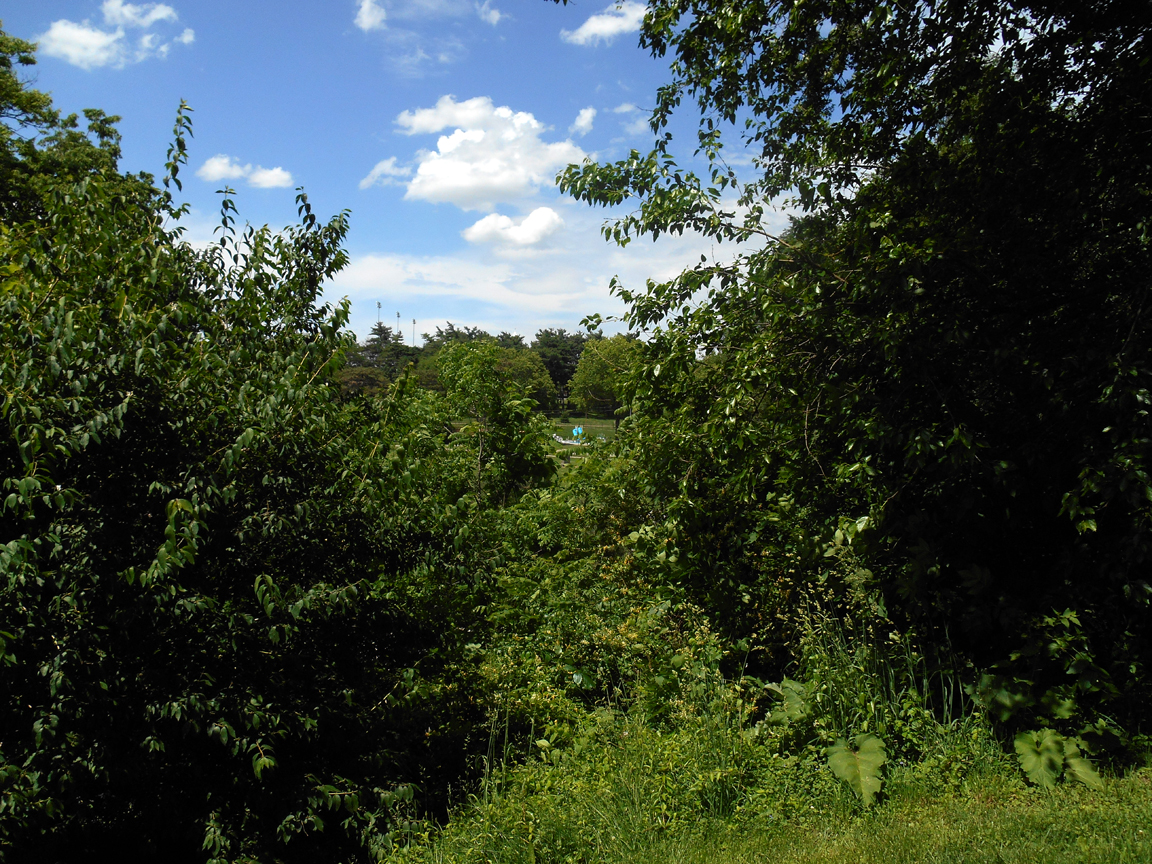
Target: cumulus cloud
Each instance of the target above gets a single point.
(583, 124)
(492, 155)
(370, 16)
(116, 12)
(224, 167)
(89, 47)
(495, 228)
(638, 124)
(384, 173)
(269, 178)
(82, 45)
(605, 26)
(488, 14)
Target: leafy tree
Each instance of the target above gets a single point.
(230, 604)
(382, 346)
(510, 340)
(929, 394)
(378, 361)
(509, 437)
(22, 108)
(446, 336)
(526, 371)
(560, 351)
(428, 366)
(598, 384)
(38, 146)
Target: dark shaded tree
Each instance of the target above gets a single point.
(510, 340)
(560, 351)
(929, 394)
(229, 616)
(449, 334)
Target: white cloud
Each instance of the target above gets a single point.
(89, 47)
(488, 14)
(639, 126)
(493, 154)
(494, 228)
(583, 124)
(269, 178)
(502, 286)
(624, 17)
(82, 45)
(124, 14)
(370, 16)
(635, 125)
(383, 173)
(224, 167)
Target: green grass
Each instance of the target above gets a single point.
(995, 824)
(622, 792)
(693, 770)
(592, 428)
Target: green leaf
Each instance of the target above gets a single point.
(860, 767)
(1077, 767)
(1041, 755)
(793, 705)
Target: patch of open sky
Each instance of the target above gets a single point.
(471, 108)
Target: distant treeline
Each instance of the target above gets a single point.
(555, 369)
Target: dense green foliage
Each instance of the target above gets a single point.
(507, 434)
(269, 595)
(560, 352)
(383, 356)
(204, 608)
(235, 607)
(598, 384)
(930, 395)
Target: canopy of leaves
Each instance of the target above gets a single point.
(598, 383)
(526, 371)
(233, 605)
(560, 351)
(433, 342)
(486, 385)
(949, 347)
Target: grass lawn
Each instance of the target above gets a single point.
(993, 821)
(605, 429)
(1001, 824)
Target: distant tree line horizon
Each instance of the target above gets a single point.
(556, 369)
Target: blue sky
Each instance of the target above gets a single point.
(439, 123)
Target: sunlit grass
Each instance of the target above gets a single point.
(605, 429)
(639, 796)
(998, 825)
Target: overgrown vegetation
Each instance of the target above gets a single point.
(862, 569)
